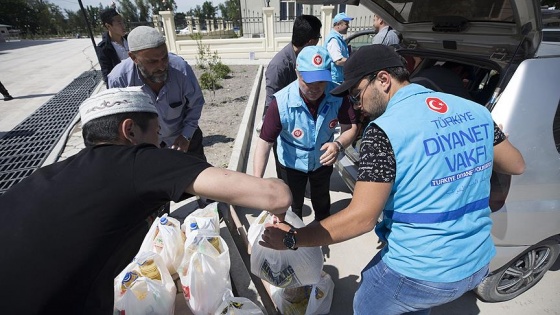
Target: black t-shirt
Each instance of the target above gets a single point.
(69, 228)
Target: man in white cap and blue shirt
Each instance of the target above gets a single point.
(302, 119)
(89, 214)
(337, 47)
(171, 83)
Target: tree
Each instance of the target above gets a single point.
(230, 10)
(162, 5)
(180, 20)
(128, 11)
(208, 10)
(143, 10)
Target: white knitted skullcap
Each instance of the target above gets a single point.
(144, 37)
(116, 101)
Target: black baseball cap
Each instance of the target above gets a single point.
(107, 15)
(367, 60)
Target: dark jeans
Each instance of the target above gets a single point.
(319, 184)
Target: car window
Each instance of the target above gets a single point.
(359, 41)
(551, 36)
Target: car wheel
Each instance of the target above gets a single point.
(520, 274)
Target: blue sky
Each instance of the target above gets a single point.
(182, 5)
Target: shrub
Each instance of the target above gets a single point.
(209, 81)
(221, 70)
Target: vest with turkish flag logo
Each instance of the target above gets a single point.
(437, 215)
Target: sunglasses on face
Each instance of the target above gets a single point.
(356, 98)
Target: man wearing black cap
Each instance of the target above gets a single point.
(425, 163)
(113, 46)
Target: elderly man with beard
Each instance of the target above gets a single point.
(170, 82)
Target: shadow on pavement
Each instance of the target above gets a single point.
(32, 96)
(343, 290)
(210, 140)
(27, 43)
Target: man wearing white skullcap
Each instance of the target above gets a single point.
(71, 227)
(171, 83)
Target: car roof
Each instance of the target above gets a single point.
(495, 29)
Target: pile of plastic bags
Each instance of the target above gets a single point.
(194, 252)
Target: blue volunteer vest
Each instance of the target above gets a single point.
(301, 138)
(437, 219)
(336, 71)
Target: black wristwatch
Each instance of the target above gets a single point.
(290, 239)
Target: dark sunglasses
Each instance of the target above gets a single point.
(356, 99)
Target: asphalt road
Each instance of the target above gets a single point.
(34, 71)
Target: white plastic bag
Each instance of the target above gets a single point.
(143, 295)
(166, 239)
(204, 272)
(206, 218)
(307, 300)
(232, 305)
(321, 296)
(283, 268)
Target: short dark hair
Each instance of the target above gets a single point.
(107, 16)
(401, 74)
(306, 28)
(106, 129)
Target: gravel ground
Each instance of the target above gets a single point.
(223, 112)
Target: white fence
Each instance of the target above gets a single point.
(239, 48)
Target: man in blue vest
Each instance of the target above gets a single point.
(425, 163)
(302, 119)
(335, 44)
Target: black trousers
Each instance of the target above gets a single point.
(319, 184)
(196, 147)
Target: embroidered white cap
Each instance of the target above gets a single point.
(116, 101)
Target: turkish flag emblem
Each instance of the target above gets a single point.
(437, 105)
(333, 123)
(297, 133)
(317, 60)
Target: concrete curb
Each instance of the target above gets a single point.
(242, 279)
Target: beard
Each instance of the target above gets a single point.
(379, 105)
(153, 77)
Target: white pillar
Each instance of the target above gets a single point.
(197, 24)
(189, 24)
(169, 30)
(268, 20)
(326, 19)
